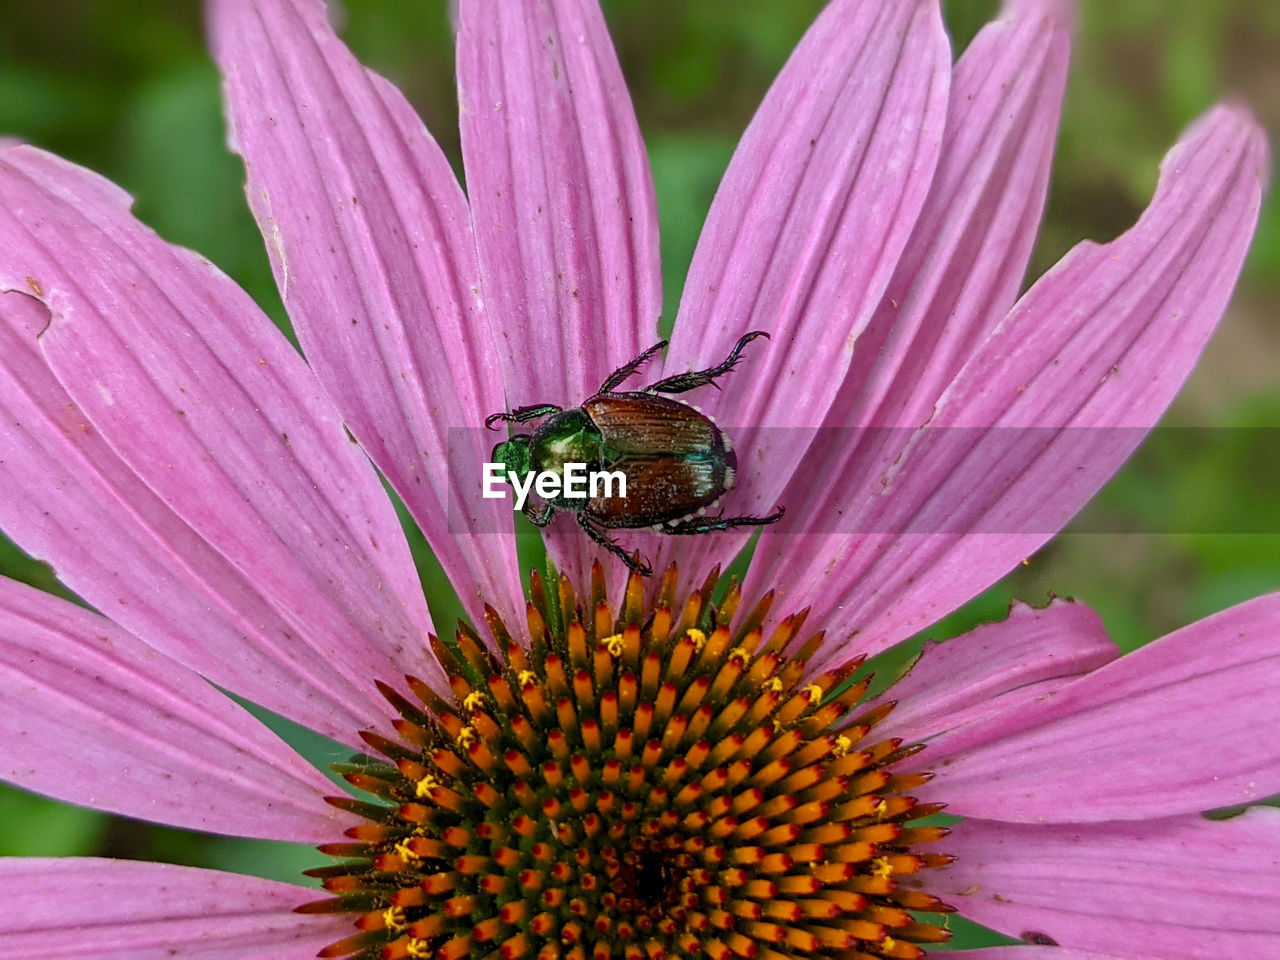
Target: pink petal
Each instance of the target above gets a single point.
(1051, 404)
(995, 669)
(1176, 888)
(130, 910)
(806, 229)
(565, 217)
(70, 498)
(370, 239)
(90, 715)
(968, 253)
(1188, 723)
(1041, 953)
(198, 394)
(957, 277)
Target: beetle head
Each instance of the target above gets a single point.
(514, 454)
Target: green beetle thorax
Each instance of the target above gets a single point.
(570, 438)
(515, 455)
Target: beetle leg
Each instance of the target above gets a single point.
(700, 378)
(713, 524)
(635, 563)
(627, 370)
(521, 414)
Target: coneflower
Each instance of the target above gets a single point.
(648, 774)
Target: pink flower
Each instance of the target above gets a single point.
(193, 479)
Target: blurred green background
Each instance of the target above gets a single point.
(124, 87)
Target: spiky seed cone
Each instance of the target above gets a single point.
(655, 783)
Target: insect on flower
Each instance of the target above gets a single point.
(674, 462)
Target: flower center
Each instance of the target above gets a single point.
(639, 785)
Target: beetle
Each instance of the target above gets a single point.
(676, 461)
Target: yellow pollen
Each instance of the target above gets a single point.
(419, 948)
(466, 736)
(841, 746)
(698, 637)
(773, 684)
(882, 808)
(527, 678)
(814, 691)
(425, 786)
(613, 644)
(881, 867)
(394, 918)
(740, 656)
(888, 943)
(473, 701)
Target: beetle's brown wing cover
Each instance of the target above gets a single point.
(659, 487)
(643, 423)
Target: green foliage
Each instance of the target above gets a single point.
(47, 828)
